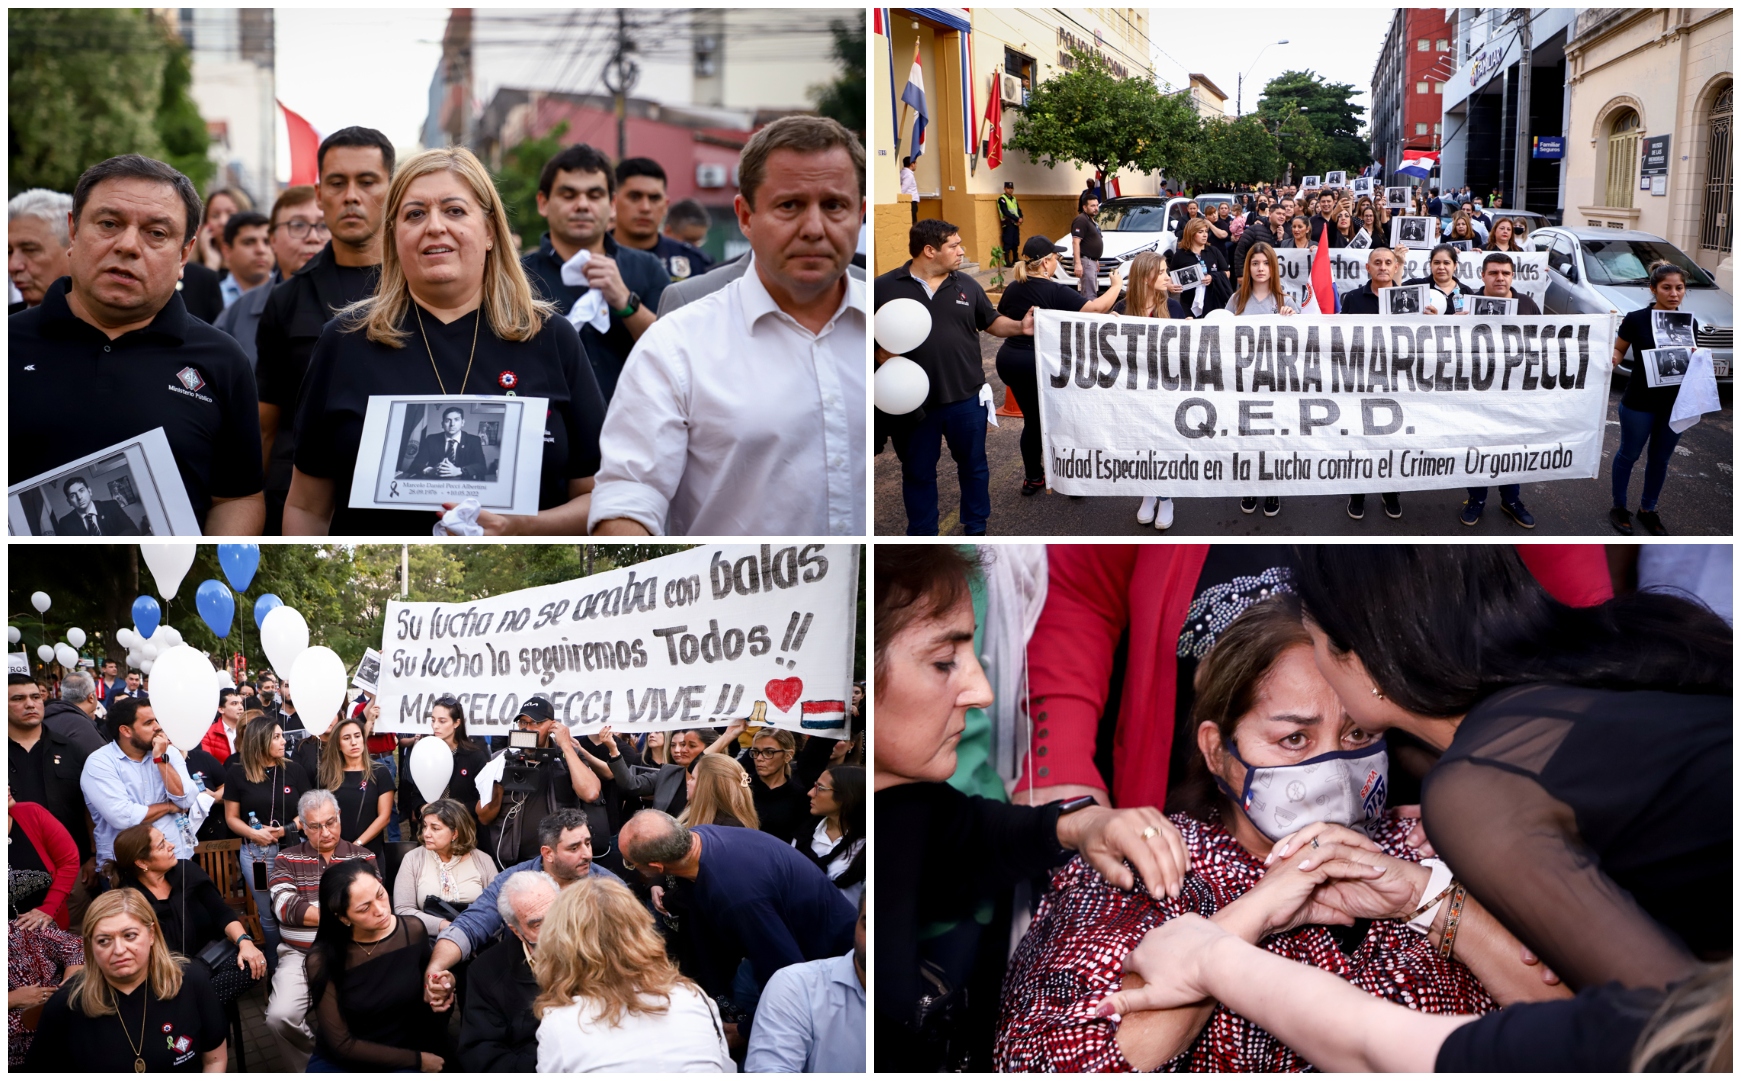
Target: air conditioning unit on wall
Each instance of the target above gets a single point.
(1013, 91)
(710, 175)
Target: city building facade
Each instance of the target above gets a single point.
(1408, 85)
(232, 50)
(1652, 102)
(960, 51)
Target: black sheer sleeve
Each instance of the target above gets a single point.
(1592, 1033)
(329, 1016)
(1543, 864)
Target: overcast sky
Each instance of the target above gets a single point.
(1341, 44)
(370, 67)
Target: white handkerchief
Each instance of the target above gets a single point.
(1697, 395)
(590, 308)
(985, 399)
(461, 521)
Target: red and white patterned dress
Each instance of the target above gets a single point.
(1073, 956)
(35, 958)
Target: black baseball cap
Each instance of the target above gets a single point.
(538, 708)
(1036, 248)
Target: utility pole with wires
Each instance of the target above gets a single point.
(1520, 163)
(620, 76)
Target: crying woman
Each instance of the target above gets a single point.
(1291, 845)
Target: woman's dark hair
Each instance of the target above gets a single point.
(448, 702)
(1226, 687)
(332, 939)
(1663, 269)
(1448, 249)
(1441, 627)
(915, 582)
(849, 793)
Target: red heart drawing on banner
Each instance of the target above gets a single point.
(784, 692)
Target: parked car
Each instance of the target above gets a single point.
(1598, 271)
(1133, 224)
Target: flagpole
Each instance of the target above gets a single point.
(979, 128)
(901, 129)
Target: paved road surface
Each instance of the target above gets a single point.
(1698, 498)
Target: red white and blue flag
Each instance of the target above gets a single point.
(914, 95)
(1418, 163)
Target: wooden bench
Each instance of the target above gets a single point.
(221, 861)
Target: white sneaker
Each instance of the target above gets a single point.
(1164, 514)
(1145, 513)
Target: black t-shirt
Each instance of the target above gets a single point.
(1639, 331)
(1594, 1032)
(200, 291)
(347, 368)
(462, 786)
(179, 374)
(959, 311)
(359, 805)
(1174, 309)
(273, 800)
(516, 826)
(1018, 297)
(1087, 231)
(680, 260)
(177, 1032)
(642, 273)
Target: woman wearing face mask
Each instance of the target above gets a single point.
(1615, 717)
(960, 851)
(1277, 751)
(1034, 288)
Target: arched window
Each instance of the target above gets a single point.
(1622, 158)
(1717, 234)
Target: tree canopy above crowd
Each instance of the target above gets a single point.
(1297, 100)
(86, 84)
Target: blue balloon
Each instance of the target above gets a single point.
(146, 615)
(265, 604)
(216, 606)
(239, 561)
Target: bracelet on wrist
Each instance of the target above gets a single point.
(1459, 896)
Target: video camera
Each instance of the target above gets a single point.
(522, 761)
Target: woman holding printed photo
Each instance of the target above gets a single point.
(1644, 409)
(1214, 287)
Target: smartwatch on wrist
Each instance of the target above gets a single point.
(1078, 803)
(631, 307)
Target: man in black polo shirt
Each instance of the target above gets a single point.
(950, 356)
(1086, 244)
(640, 208)
(43, 765)
(1497, 270)
(575, 193)
(355, 166)
(117, 331)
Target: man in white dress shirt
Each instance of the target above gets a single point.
(743, 413)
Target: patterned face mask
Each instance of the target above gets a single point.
(1346, 788)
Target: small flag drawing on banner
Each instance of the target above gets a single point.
(827, 713)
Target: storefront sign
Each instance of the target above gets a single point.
(1548, 146)
(1655, 155)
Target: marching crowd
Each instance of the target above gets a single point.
(679, 901)
(684, 398)
(1222, 260)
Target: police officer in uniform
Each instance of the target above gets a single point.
(116, 330)
(1009, 216)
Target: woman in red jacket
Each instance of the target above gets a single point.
(44, 861)
(1171, 601)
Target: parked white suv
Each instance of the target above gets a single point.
(1133, 224)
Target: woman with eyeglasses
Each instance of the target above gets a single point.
(838, 844)
(780, 776)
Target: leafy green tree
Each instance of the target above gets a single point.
(1328, 108)
(843, 98)
(179, 124)
(1303, 149)
(517, 180)
(1089, 116)
(1230, 152)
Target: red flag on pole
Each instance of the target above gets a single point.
(1322, 285)
(994, 124)
(304, 148)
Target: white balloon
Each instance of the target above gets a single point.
(167, 636)
(184, 694)
(901, 385)
(431, 767)
(1218, 315)
(169, 564)
(320, 679)
(149, 650)
(76, 638)
(225, 680)
(39, 601)
(284, 635)
(66, 655)
(902, 324)
(46, 653)
(125, 636)
(134, 660)
(13, 634)
(145, 667)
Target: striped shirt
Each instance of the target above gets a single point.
(295, 886)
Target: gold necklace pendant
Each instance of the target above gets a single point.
(138, 1065)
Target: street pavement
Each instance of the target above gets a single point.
(1697, 500)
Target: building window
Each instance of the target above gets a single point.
(1438, 88)
(1442, 45)
(1421, 88)
(1420, 129)
(1622, 158)
(1438, 129)
(1422, 45)
(1717, 233)
(1021, 66)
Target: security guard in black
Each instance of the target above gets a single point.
(176, 373)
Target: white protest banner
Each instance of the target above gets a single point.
(1348, 269)
(1319, 404)
(700, 638)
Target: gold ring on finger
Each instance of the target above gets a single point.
(1150, 833)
